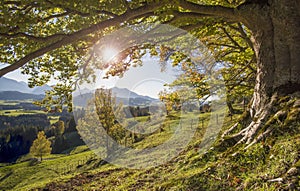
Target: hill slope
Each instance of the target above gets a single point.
(272, 164)
(269, 165)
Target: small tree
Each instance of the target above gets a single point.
(41, 146)
(108, 111)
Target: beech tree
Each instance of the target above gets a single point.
(170, 99)
(49, 38)
(41, 146)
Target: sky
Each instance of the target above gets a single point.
(147, 80)
(15, 75)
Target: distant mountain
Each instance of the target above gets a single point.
(15, 95)
(82, 99)
(82, 91)
(14, 90)
(13, 85)
(40, 89)
(123, 95)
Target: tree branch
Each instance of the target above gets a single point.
(244, 35)
(218, 11)
(16, 3)
(222, 44)
(232, 40)
(83, 14)
(26, 8)
(71, 38)
(35, 38)
(56, 16)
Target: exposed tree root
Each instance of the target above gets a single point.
(262, 124)
(287, 178)
(276, 180)
(230, 130)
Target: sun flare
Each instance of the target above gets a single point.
(109, 53)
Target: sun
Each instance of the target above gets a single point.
(109, 53)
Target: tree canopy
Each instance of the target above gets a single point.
(256, 39)
(50, 38)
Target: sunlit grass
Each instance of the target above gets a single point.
(53, 119)
(190, 170)
(29, 174)
(59, 167)
(3, 102)
(15, 112)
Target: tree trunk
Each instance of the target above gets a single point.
(276, 37)
(275, 27)
(229, 103)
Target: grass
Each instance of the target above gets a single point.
(4, 102)
(211, 169)
(53, 119)
(28, 174)
(21, 112)
(16, 112)
(23, 175)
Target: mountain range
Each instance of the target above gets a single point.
(14, 90)
(123, 95)
(7, 84)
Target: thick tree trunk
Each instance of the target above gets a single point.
(276, 37)
(275, 26)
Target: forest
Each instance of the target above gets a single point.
(17, 134)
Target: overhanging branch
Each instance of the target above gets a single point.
(32, 37)
(71, 38)
(210, 10)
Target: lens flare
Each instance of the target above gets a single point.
(109, 53)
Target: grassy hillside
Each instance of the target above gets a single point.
(269, 165)
(28, 173)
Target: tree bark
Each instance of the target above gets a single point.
(230, 107)
(275, 27)
(275, 31)
(276, 36)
